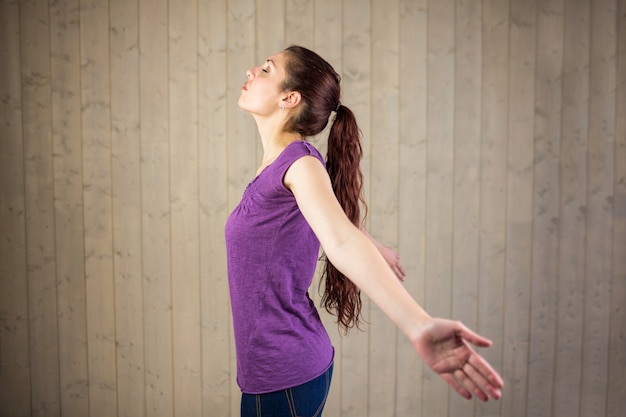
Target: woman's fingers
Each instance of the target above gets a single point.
(456, 386)
(467, 380)
(400, 272)
(476, 382)
(446, 348)
(473, 337)
(492, 380)
(478, 362)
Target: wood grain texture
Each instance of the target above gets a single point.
(155, 214)
(65, 65)
(97, 196)
(39, 199)
(573, 178)
(15, 355)
(494, 162)
(616, 384)
(299, 22)
(493, 185)
(412, 131)
(467, 171)
(520, 160)
(126, 207)
(543, 319)
(270, 30)
(439, 184)
(600, 199)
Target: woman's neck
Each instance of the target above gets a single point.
(274, 140)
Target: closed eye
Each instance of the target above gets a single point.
(268, 63)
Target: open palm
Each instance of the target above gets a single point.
(444, 347)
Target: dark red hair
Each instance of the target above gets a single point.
(318, 84)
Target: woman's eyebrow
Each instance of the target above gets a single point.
(270, 61)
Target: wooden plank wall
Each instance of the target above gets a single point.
(494, 134)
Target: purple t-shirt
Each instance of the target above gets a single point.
(272, 254)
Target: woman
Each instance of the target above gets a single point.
(295, 202)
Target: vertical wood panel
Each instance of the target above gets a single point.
(384, 188)
(212, 198)
(39, 199)
(356, 95)
(328, 17)
(616, 384)
(299, 22)
(494, 119)
(69, 219)
(126, 206)
(467, 153)
(412, 114)
(95, 124)
(270, 29)
(15, 378)
(183, 154)
(546, 207)
(520, 158)
(572, 211)
(600, 200)
(155, 200)
(439, 183)
(39, 205)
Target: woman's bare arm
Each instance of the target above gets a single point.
(442, 344)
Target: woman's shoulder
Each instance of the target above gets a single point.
(294, 152)
(299, 148)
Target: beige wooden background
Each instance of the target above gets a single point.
(495, 141)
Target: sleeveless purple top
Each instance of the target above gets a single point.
(272, 254)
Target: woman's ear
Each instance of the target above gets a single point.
(291, 100)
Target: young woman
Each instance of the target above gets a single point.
(297, 201)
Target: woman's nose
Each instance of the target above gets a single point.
(249, 73)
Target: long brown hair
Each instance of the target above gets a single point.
(318, 84)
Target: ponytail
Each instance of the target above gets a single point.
(341, 296)
(318, 84)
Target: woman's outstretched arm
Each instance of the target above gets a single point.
(444, 345)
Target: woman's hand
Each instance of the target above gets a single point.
(393, 259)
(391, 256)
(444, 347)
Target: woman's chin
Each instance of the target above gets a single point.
(242, 104)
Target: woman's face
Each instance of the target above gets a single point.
(261, 93)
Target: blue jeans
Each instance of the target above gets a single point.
(306, 400)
